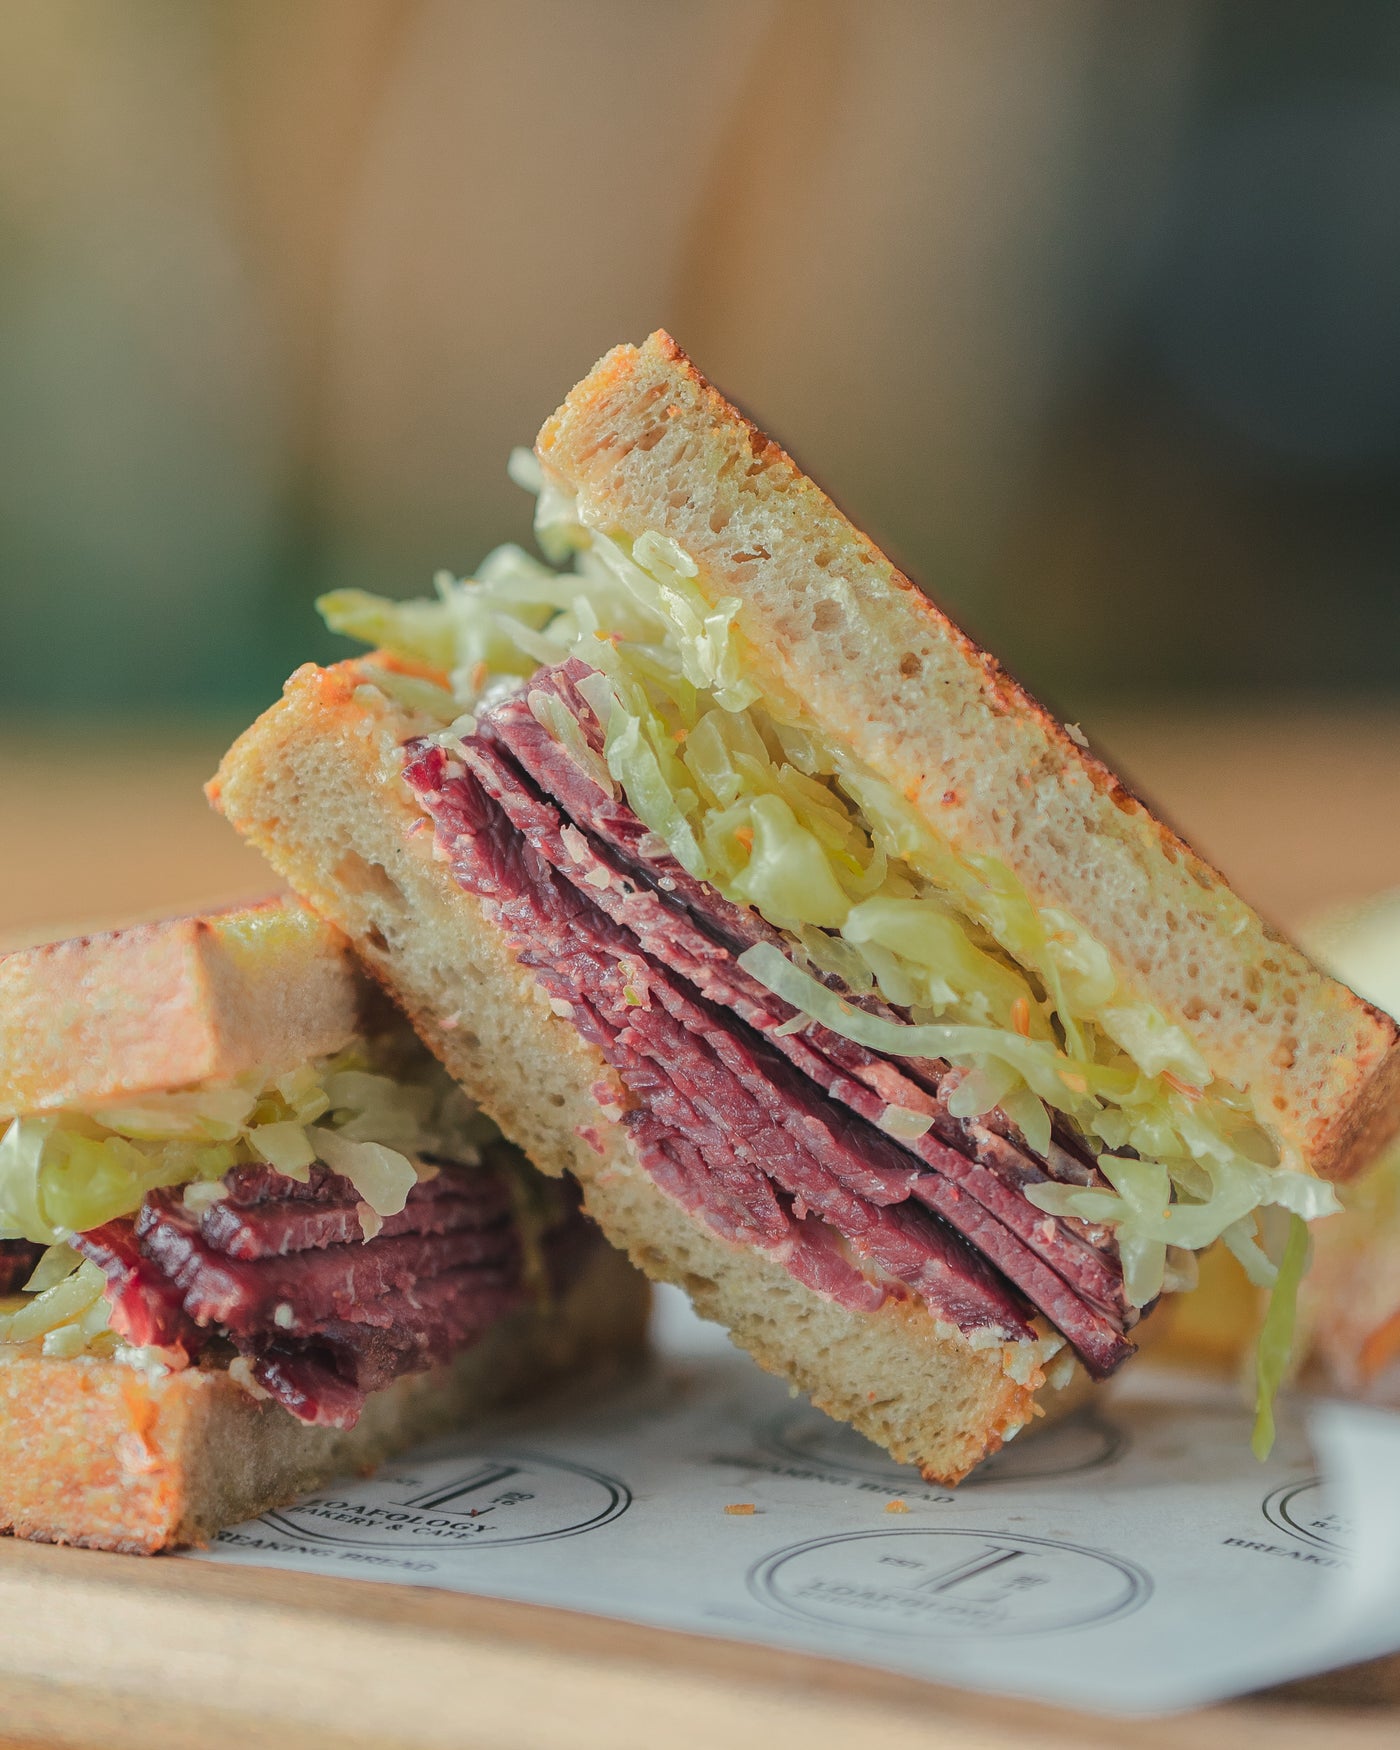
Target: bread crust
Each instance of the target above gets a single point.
(317, 785)
(97, 1453)
(645, 442)
(101, 1018)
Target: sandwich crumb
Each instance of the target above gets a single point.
(203, 1194)
(896, 1506)
(240, 1371)
(1076, 735)
(740, 1507)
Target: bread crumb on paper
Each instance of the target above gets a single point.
(739, 1507)
(896, 1506)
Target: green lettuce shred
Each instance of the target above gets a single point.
(1276, 1338)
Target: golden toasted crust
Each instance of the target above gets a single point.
(162, 1005)
(316, 784)
(646, 443)
(97, 1453)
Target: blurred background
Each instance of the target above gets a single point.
(1089, 312)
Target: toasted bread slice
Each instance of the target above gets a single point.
(835, 638)
(645, 443)
(167, 1004)
(98, 1453)
(316, 784)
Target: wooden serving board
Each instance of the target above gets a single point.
(155, 1654)
(135, 1654)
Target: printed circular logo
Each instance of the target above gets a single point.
(942, 1584)
(1301, 1510)
(1078, 1443)
(484, 1501)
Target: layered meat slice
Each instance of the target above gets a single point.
(722, 1122)
(325, 1306)
(756, 1128)
(699, 935)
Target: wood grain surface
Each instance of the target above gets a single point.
(1301, 808)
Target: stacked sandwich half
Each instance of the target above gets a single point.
(860, 999)
(756, 914)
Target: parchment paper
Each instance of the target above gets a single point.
(1135, 1559)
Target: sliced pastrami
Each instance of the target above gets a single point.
(722, 930)
(820, 1259)
(325, 1283)
(849, 1174)
(1074, 1284)
(513, 726)
(310, 1383)
(322, 1321)
(684, 1173)
(709, 1093)
(146, 1308)
(242, 1227)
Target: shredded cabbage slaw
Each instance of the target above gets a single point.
(749, 794)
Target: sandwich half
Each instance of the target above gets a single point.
(252, 1236)
(863, 1000)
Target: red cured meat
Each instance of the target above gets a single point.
(323, 1321)
(720, 1121)
(699, 934)
(147, 1309)
(698, 1046)
(327, 1282)
(267, 1229)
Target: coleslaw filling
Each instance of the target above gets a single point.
(747, 793)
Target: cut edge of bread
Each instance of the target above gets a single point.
(316, 784)
(101, 1454)
(644, 442)
(164, 1005)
